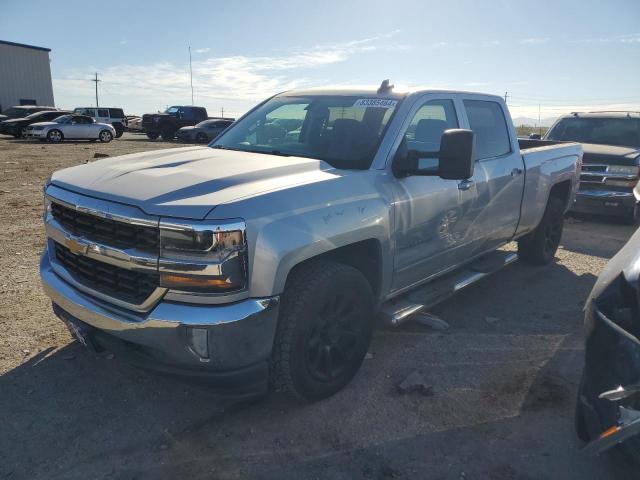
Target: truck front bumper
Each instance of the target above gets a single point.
(238, 336)
(604, 202)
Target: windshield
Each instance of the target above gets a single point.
(62, 119)
(623, 132)
(172, 110)
(206, 123)
(344, 131)
(36, 115)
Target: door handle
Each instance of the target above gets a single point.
(516, 171)
(465, 184)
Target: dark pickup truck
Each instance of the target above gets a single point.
(611, 145)
(166, 124)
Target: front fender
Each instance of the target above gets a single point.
(285, 242)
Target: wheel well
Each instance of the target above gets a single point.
(561, 191)
(365, 256)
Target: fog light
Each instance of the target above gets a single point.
(198, 339)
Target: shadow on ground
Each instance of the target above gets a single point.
(502, 406)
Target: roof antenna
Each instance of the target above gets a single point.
(385, 86)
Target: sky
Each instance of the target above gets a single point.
(550, 57)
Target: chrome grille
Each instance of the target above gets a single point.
(593, 173)
(106, 231)
(126, 285)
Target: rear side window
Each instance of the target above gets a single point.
(103, 112)
(116, 113)
(487, 120)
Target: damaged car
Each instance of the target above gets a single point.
(608, 404)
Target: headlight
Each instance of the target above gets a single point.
(207, 257)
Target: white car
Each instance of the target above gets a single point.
(112, 116)
(71, 127)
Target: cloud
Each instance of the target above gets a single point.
(201, 50)
(628, 38)
(235, 77)
(534, 40)
(123, 42)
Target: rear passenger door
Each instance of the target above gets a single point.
(102, 115)
(499, 172)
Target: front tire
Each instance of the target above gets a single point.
(324, 330)
(540, 246)
(55, 136)
(202, 138)
(105, 136)
(152, 135)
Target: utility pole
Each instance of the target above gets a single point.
(191, 74)
(96, 82)
(539, 126)
(222, 112)
(506, 94)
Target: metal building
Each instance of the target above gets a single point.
(25, 75)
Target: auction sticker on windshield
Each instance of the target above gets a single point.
(375, 102)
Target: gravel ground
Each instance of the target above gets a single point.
(504, 378)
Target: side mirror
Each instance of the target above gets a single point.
(454, 161)
(534, 136)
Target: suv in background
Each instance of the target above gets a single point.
(113, 116)
(611, 162)
(17, 126)
(166, 124)
(21, 111)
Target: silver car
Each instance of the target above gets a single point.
(71, 127)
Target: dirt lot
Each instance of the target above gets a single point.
(504, 378)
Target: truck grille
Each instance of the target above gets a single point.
(593, 174)
(126, 285)
(108, 232)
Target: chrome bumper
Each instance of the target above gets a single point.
(604, 194)
(239, 334)
(603, 201)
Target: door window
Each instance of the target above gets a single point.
(426, 129)
(487, 120)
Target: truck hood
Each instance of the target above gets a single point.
(189, 182)
(610, 154)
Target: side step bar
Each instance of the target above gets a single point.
(396, 311)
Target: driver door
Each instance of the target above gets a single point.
(434, 217)
(73, 127)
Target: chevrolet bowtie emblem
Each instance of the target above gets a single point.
(75, 247)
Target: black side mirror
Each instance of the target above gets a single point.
(454, 160)
(534, 136)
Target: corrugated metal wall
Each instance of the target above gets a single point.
(24, 73)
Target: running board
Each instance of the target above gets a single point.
(399, 309)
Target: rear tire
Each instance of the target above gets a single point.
(152, 135)
(540, 246)
(167, 135)
(55, 136)
(105, 136)
(119, 128)
(324, 330)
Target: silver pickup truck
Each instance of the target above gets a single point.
(264, 258)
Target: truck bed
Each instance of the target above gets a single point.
(546, 163)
